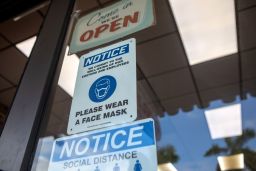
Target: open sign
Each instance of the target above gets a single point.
(107, 24)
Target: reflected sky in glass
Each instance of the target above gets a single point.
(188, 133)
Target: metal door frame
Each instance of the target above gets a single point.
(29, 108)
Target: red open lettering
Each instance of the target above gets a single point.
(100, 29)
(110, 27)
(131, 19)
(86, 36)
(115, 25)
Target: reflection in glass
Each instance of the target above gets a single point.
(167, 154)
(166, 167)
(187, 135)
(233, 162)
(224, 121)
(236, 145)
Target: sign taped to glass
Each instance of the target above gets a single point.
(105, 91)
(124, 147)
(110, 23)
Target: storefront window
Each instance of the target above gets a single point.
(195, 77)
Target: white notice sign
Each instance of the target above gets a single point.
(105, 91)
(129, 147)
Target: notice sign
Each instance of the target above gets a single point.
(107, 24)
(105, 91)
(129, 147)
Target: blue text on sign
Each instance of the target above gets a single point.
(121, 50)
(119, 139)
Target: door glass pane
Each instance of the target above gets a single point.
(196, 78)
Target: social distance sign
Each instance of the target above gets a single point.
(110, 23)
(124, 147)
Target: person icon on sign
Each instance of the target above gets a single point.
(116, 168)
(137, 166)
(97, 168)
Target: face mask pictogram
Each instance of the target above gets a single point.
(102, 88)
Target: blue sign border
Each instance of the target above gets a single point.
(147, 139)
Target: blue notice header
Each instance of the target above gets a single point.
(106, 55)
(118, 139)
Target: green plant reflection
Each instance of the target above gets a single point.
(237, 145)
(167, 154)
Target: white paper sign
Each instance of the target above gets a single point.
(128, 147)
(105, 91)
